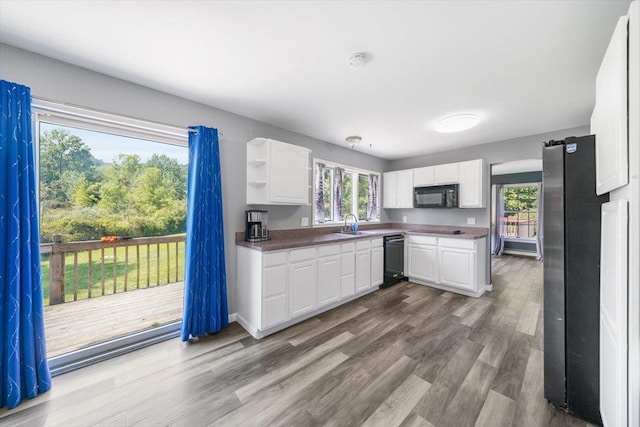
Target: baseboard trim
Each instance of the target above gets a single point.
(477, 294)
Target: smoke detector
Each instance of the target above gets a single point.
(357, 60)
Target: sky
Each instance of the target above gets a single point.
(106, 147)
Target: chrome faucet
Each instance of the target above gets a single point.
(345, 228)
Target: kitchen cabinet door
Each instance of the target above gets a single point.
(389, 192)
(328, 279)
(289, 174)
(457, 268)
(422, 262)
(446, 174)
(404, 189)
(347, 270)
(277, 173)
(302, 287)
(274, 302)
(363, 270)
(613, 313)
(610, 114)
(471, 191)
(424, 176)
(377, 266)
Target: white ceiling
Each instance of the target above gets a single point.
(526, 66)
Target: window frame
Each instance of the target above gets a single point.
(354, 194)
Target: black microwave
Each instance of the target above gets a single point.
(436, 196)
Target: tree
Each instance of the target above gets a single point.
(60, 151)
(117, 186)
(153, 191)
(173, 173)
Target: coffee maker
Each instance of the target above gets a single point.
(256, 226)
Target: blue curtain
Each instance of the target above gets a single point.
(23, 359)
(205, 290)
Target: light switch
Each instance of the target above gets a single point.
(471, 221)
(304, 221)
(404, 218)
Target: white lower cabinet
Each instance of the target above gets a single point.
(277, 289)
(274, 288)
(422, 262)
(302, 286)
(458, 265)
(457, 268)
(377, 263)
(347, 270)
(363, 265)
(329, 283)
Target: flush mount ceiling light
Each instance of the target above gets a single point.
(353, 140)
(357, 60)
(457, 123)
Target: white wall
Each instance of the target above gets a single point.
(58, 81)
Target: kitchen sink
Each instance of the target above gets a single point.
(352, 233)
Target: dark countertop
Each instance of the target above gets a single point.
(298, 237)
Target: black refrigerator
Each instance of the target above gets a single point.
(571, 227)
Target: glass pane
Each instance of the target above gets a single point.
(363, 197)
(347, 193)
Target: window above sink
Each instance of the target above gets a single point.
(339, 190)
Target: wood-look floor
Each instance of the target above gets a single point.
(408, 355)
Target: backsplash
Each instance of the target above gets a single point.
(451, 217)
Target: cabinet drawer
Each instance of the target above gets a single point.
(327, 250)
(362, 245)
(458, 243)
(274, 258)
(422, 240)
(274, 280)
(302, 254)
(274, 311)
(348, 247)
(376, 243)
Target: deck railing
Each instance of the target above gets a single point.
(106, 266)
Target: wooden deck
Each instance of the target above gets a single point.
(75, 325)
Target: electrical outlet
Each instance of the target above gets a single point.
(471, 221)
(404, 218)
(304, 221)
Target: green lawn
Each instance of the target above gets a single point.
(136, 269)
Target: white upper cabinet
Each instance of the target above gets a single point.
(424, 176)
(389, 192)
(277, 173)
(397, 189)
(446, 174)
(472, 178)
(609, 120)
(404, 189)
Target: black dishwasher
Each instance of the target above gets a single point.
(393, 260)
